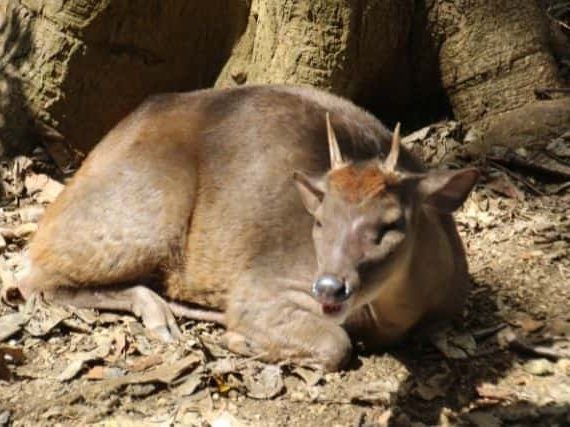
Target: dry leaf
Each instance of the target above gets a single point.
(495, 392)
(103, 372)
(165, 373)
(266, 385)
(223, 419)
(310, 376)
(119, 347)
(81, 359)
(45, 318)
(383, 419)
(87, 315)
(189, 387)
(4, 371)
(525, 322)
(145, 362)
(31, 213)
(5, 418)
(418, 135)
(558, 327)
(9, 286)
(25, 230)
(43, 188)
(435, 386)
(10, 324)
(453, 344)
(109, 318)
(9, 354)
(509, 338)
(373, 392)
(223, 366)
(96, 373)
(483, 419)
(71, 370)
(14, 354)
(505, 187)
(540, 367)
(75, 324)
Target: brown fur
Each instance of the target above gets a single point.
(196, 190)
(356, 184)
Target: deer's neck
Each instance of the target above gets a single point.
(417, 282)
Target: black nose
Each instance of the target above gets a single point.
(330, 288)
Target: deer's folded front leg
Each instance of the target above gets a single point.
(276, 329)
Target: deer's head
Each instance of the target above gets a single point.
(366, 219)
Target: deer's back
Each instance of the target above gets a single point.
(199, 185)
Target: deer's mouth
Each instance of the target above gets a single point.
(332, 309)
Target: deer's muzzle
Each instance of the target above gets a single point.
(328, 289)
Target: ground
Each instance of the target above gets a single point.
(509, 364)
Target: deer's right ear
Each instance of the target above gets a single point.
(311, 190)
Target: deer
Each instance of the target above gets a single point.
(225, 205)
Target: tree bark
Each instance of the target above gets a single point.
(355, 48)
(491, 54)
(92, 61)
(81, 65)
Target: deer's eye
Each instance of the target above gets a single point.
(318, 223)
(378, 238)
(397, 225)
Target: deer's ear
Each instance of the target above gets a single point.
(311, 190)
(447, 190)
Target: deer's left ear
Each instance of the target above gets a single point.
(447, 190)
(311, 190)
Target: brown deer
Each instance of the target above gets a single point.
(193, 197)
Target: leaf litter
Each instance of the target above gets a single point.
(101, 368)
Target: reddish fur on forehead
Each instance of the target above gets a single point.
(356, 184)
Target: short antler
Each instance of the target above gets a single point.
(392, 159)
(336, 156)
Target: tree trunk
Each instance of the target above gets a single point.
(80, 65)
(494, 54)
(90, 62)
(355, 48)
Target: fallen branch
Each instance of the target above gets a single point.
(516, 176)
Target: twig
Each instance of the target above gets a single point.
(518, 344)
(560, 22)
(540, 163)
(517, 177)
(545, 90)
(487, 332)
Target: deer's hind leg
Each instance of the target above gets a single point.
(102, 234)
(143, 302)
(156, 313)
(139, 300)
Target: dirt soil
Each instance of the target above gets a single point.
(509, 364)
